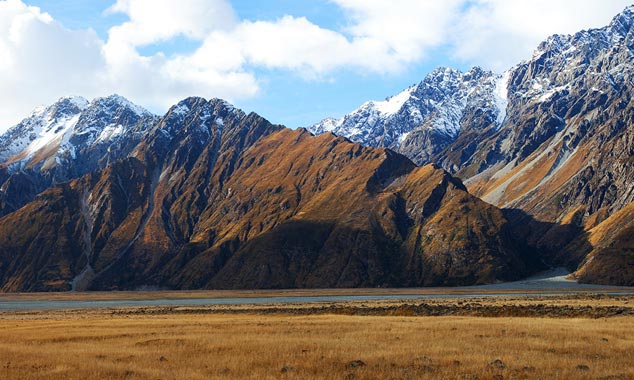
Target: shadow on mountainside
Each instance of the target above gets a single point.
(555, 245)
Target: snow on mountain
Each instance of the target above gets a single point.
(393, 104)
(45, 125)
(58, 131)
(501, 96)
(437, 104)
(195, 116)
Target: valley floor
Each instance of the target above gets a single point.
(576, 336)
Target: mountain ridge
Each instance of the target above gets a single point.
(65, 140)
(563, 151)
(107, 196)
(216, 198)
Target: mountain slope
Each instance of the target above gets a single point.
(562, 151)
(216, 198)
(568, 138)
(68, 139)
(608, 251)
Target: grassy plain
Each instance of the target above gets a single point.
(324, 341)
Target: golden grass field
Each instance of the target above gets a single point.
(271, 343)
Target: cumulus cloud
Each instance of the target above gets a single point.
(35, 51)
(42, 60)
(156, 20)
(403, 29)
(500, 33)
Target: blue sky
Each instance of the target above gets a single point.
(294, 62)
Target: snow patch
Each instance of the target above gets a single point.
(328, 125)
(402, 138)
(500, 95)
(109, 132)
(54, 129)
(121, 101)
(393, 104)
(549, 94)
(78, 101)
(180, 109)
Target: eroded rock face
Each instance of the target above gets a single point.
(215, 198)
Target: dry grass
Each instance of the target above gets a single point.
(103, 345)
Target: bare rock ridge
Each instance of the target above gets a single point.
(552, 140)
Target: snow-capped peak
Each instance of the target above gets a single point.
(66, 127)
(78, 101)
(436, 103)
(116, 100)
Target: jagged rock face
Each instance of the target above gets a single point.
(426, 118)
(552, 133)
(558, 146)
(568, 138)
(215, 198)
(64, 141)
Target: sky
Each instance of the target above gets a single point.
(294, 62)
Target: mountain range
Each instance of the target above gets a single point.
(464, 178)
(551, 137)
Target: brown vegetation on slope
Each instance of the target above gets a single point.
(244, 204)
(610, 251)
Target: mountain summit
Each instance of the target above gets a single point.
(427, 117)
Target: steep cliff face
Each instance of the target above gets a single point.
(217, 198)
(568, 137)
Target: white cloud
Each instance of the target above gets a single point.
(42, 60)
(158, 20)
(499, 33)
(404, 28)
